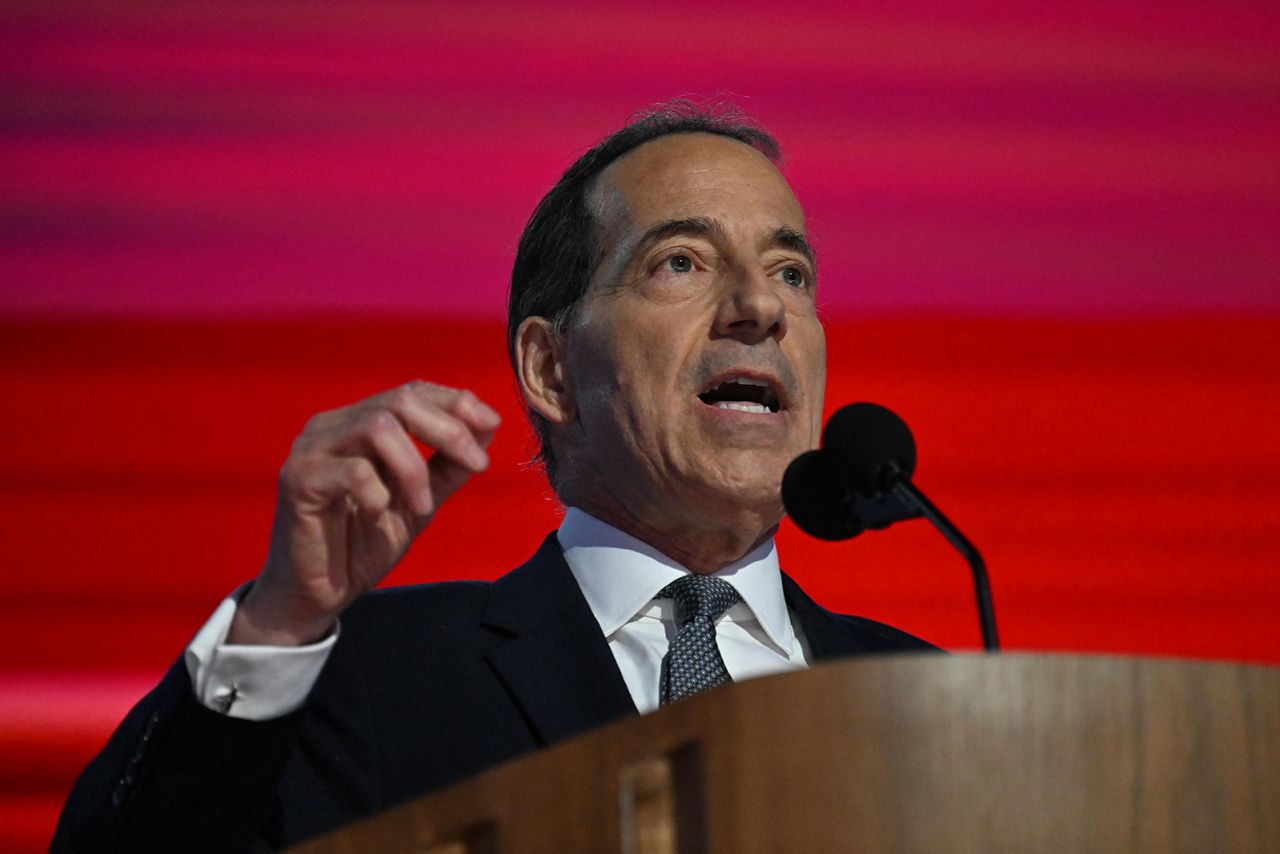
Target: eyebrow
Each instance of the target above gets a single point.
(695, 226)
(786, 237)
(783, 237)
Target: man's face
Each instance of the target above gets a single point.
(696, 358)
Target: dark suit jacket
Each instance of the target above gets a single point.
(425, 686)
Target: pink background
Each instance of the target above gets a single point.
(1047, 238)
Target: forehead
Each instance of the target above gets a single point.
(695, 174)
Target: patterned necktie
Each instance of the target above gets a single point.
(693, 663)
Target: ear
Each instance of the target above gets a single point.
(541, 371)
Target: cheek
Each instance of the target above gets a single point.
(809, 356)
(615, 406)
(813, 376)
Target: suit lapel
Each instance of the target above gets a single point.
(556, 664)
(827, 638)
(835, 635)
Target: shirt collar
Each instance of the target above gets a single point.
(619, 575)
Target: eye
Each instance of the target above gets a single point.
(680, 264)
(794, 276)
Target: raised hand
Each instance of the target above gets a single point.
(354, 493)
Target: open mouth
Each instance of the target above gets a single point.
(743, 394)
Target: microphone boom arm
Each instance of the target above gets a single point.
(910, 495)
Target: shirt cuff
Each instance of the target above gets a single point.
(251, 682)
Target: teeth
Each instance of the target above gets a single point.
(742, 406)
(765, 401)
(740, 381)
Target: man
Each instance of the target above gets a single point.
(663, 332)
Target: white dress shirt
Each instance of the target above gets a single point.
(619, 576)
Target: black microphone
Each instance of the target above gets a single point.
(875, 445)
(841, 490)
(816, 493)
(861, 478)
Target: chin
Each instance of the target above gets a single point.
(750, 484)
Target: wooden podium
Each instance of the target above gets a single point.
(1017, 753)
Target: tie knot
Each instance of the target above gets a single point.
(700, 596)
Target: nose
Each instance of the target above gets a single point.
(751, 309)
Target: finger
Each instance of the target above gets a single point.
(444, 431)
(446, 472)
(401, 461)
(401, 411)
(321, 481)
(446, 476)
(461, 403)
(332, 429)
(482, 417)
(365, 492)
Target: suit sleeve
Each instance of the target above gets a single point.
(176, 776)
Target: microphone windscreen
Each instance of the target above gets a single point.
(875, 445)
(815, 492)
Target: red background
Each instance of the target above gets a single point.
(1047, 239)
